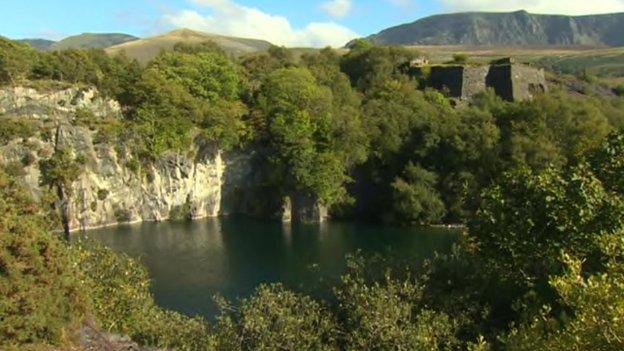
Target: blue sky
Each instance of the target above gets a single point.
(290, 23)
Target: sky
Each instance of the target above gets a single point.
(291, 23)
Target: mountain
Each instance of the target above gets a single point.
(92, 41)
(39, 44)
(146, 49)
(512, 29)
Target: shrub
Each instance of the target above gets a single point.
(42, 301)
(460, 58)
(416, 199)
(102, 194)
(277, 319)
(118, 287)
(619, 90)
(386, 315)
(28, 159)
(181, 212)
(11, 129)
(123, 215)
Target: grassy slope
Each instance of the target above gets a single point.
(92, 40)
(39, 44)
(145, 49)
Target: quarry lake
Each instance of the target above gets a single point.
(189, 262)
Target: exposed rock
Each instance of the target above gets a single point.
(110, 191)
(197, 183)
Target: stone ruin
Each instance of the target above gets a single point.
(509, 80)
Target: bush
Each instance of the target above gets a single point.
(123, 215)
(416, 199)
(387, 315)
(180, 212)
(277, 319)
(16, 128)
(460, 58)
(118, 288)
(42, 301)
(102, 194)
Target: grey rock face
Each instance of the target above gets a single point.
(109, 191)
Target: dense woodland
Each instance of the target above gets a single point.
(538, 184)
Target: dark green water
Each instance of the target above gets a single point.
(191, 261)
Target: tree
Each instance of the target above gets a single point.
(528, 218)
(16, 61)
(299, 115)
(416, 199)
(596, 302)
(369, 65)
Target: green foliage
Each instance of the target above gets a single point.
(205, 75)
(607, 161)
(42, 301)
(16, 128)
(596, 302)
(460, 58)
(619, 90)
(528, 218)
(367, 65)
(299, 115)
(415, 197)
(121, 302)
(277, 319)
(61, 170)
(180, 212)
(386, 314)
(15, 61)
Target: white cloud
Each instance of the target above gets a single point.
(337, 8)
(568, 7)
(229, 18)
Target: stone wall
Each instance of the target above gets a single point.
(448, 79)
(527, 81)
(499, 79)
(512, 82)
(474, 80)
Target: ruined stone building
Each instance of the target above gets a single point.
(510, 81)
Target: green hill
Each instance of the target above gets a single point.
(92, 41)
(146, 49)
(39, 44)
(516, 28)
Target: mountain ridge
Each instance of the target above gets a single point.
(147, 48)
(92, 41)
(519, 28)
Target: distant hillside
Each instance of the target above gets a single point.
(39, 44)
(92, 41)
(516, 29)
(146, 49)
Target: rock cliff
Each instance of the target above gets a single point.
(197, 183)
(110, 191)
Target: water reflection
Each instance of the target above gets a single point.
(191, 261)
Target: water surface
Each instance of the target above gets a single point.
(191, 261)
